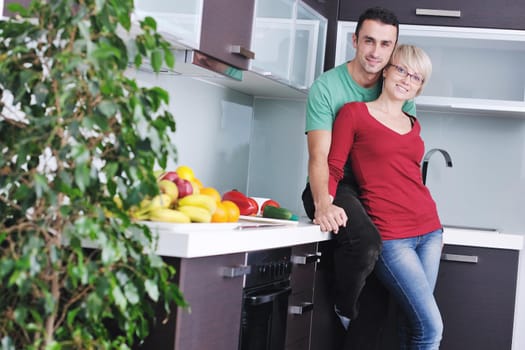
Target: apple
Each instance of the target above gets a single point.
(184, 186)
(171, 176)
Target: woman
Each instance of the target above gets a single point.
(385, 150)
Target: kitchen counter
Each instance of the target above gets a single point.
(199, 240)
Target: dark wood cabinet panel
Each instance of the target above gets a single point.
(477, 299)
(302, 283)
(505, 14)
(214, 317)
(227, 23)
(475, 291)
(7, 13)
(327, 333)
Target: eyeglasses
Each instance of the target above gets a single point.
(402, 72)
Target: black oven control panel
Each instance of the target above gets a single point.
(268, 266)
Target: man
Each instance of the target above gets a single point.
(357, 242)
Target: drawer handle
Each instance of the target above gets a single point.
(301, 309)
(438, 13)
(305, 259)
(471, 259)
(242, 51)
(236, 271)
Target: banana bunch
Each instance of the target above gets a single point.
(158, 208)
(198, 207)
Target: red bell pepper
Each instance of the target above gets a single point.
(247, 206)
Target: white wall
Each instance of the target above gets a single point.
(486, 185)
(278, 155)
(214, 126)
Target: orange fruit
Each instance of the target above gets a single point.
(233, 211)
(220, 214)
(185, 172)
(212, 192)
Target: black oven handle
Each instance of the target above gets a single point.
(268, 298)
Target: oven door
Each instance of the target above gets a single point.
(264, 315)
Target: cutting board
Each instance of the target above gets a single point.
(260, 219)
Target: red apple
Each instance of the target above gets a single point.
(184, 186)
(171, 176)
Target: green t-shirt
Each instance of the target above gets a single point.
(331, 91)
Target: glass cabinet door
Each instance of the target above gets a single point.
(289, 40)
(310, 40)
(272, 37)
(178, 20)
(474, 69)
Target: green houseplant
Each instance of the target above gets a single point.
(75, 133)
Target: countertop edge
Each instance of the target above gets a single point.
(194, 243)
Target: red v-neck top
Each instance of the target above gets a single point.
(386, 165)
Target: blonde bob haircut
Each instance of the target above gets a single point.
(415, 59)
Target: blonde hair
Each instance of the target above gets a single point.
(414, 58)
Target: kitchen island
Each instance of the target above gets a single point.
(211, 264)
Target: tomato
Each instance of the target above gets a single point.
(254, 209)
(269, 202)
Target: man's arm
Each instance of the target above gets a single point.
(327, 215)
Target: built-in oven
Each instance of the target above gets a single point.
(265, 300)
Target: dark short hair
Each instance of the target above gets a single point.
(380, 14)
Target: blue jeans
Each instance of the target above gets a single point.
(408, 268)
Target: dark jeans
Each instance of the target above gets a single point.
(356, 249)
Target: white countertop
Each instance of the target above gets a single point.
(481, 238)
(198, 240)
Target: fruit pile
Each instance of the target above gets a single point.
(183, 199)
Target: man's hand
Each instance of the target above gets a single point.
(330, 217)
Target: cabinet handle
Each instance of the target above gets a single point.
(236, 271)
(438, 13)
(242, 51)
(300, 309)
(305, 259)
(472, 259)
(268, 298)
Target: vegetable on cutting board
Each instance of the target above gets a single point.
(278, 213)
(247, 206)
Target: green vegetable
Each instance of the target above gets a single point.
(278, 213)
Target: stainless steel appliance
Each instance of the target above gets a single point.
(265, 300)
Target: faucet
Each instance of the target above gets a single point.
(429, 154)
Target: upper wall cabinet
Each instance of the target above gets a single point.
(474, 69)
(502, 14)
(289, 41)
(3, 6)
(220, 28)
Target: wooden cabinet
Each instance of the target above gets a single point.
(301, 303)
(6, 13)
(214, 317)
(476, 293)
(506, 14)
(327, 333)
(227, 29)
(219, 28)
